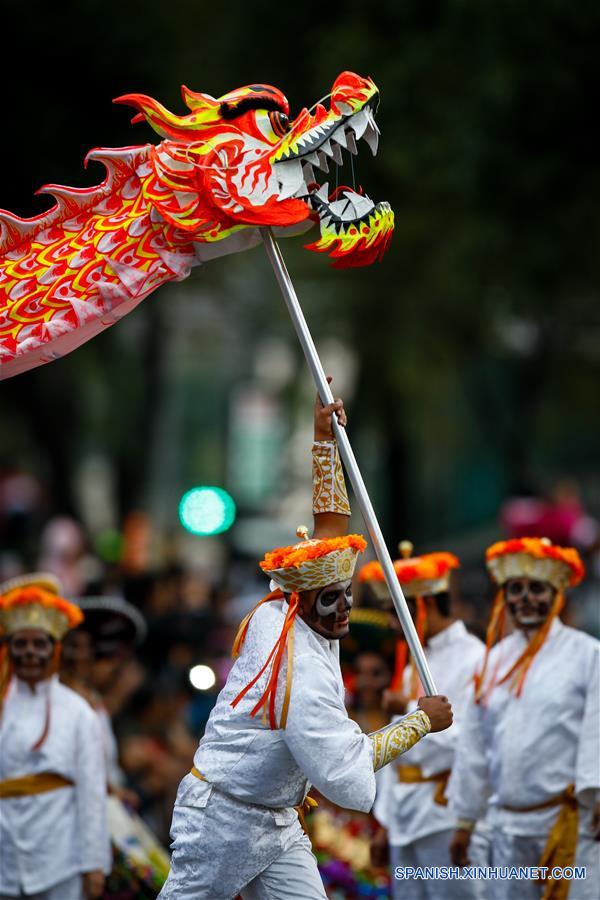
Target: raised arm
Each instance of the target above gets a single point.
(331, 509)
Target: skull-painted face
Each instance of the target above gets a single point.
(31, 652)
(529, 601)
(327, 609)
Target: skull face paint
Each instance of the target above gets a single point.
(31, 652)
(529, 601)
(329, 613)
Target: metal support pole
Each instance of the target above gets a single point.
(349, 460)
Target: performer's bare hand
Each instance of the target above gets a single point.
(394, 702)
(439, 711)
(93, 884)
(380, 850)
(459, 848)
(596, 822)
(323, 414)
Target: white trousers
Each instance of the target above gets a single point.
(71, 889)
(519, 850)
(432, 850)
(227, 847)
(293, 876)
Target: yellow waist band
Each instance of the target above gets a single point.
(194, 771)
(561, 844)
(414, 775)
(27, 785)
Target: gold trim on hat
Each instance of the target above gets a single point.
(34, 615)
(338, 565)
(523, 565)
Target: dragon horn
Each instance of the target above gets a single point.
(165, 123)
(196, 101)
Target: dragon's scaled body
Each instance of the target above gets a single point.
(231, 165)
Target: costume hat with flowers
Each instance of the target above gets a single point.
(308, 565)
(533, 558)
(420, 576)
(313, 564)
(34, 601)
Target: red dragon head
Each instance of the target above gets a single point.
(239, 162)
(220, 173)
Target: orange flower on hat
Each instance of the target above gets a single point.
(539, 548)
(428, 567)
(293, 556)
(28, 595)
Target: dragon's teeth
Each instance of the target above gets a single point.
(372, 121)
(358, 123)
(326, 148)
(336, 152)
(339, 135)
(339, 207)
(371, 117)
(351, 143)
(312, 158)
(323, 192)
(372, 139)
(309, 175)
(323, 162)
(362, 205)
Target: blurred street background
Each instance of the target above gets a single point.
(469, 360)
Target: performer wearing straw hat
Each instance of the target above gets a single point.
(530, 740)
(411, 803)
(280, 723)
(53, 831)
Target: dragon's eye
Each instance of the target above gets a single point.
(279, 123)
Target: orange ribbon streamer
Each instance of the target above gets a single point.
(520, 668)
(274, 660)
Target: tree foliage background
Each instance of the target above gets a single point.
(478, 338)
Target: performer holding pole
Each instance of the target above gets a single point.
(366, 507)
(53, 831)
(280, 724)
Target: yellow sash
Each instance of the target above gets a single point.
(27, 785)
(561, 845)
(414, 775)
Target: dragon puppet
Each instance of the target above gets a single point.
(230, 166)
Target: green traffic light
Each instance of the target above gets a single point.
(207, 510)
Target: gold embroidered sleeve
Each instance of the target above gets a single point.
(397, 738)
(329, 486)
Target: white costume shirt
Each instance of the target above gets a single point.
(320, 745)
(409, 811)
(47, 838)
(521, 751)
